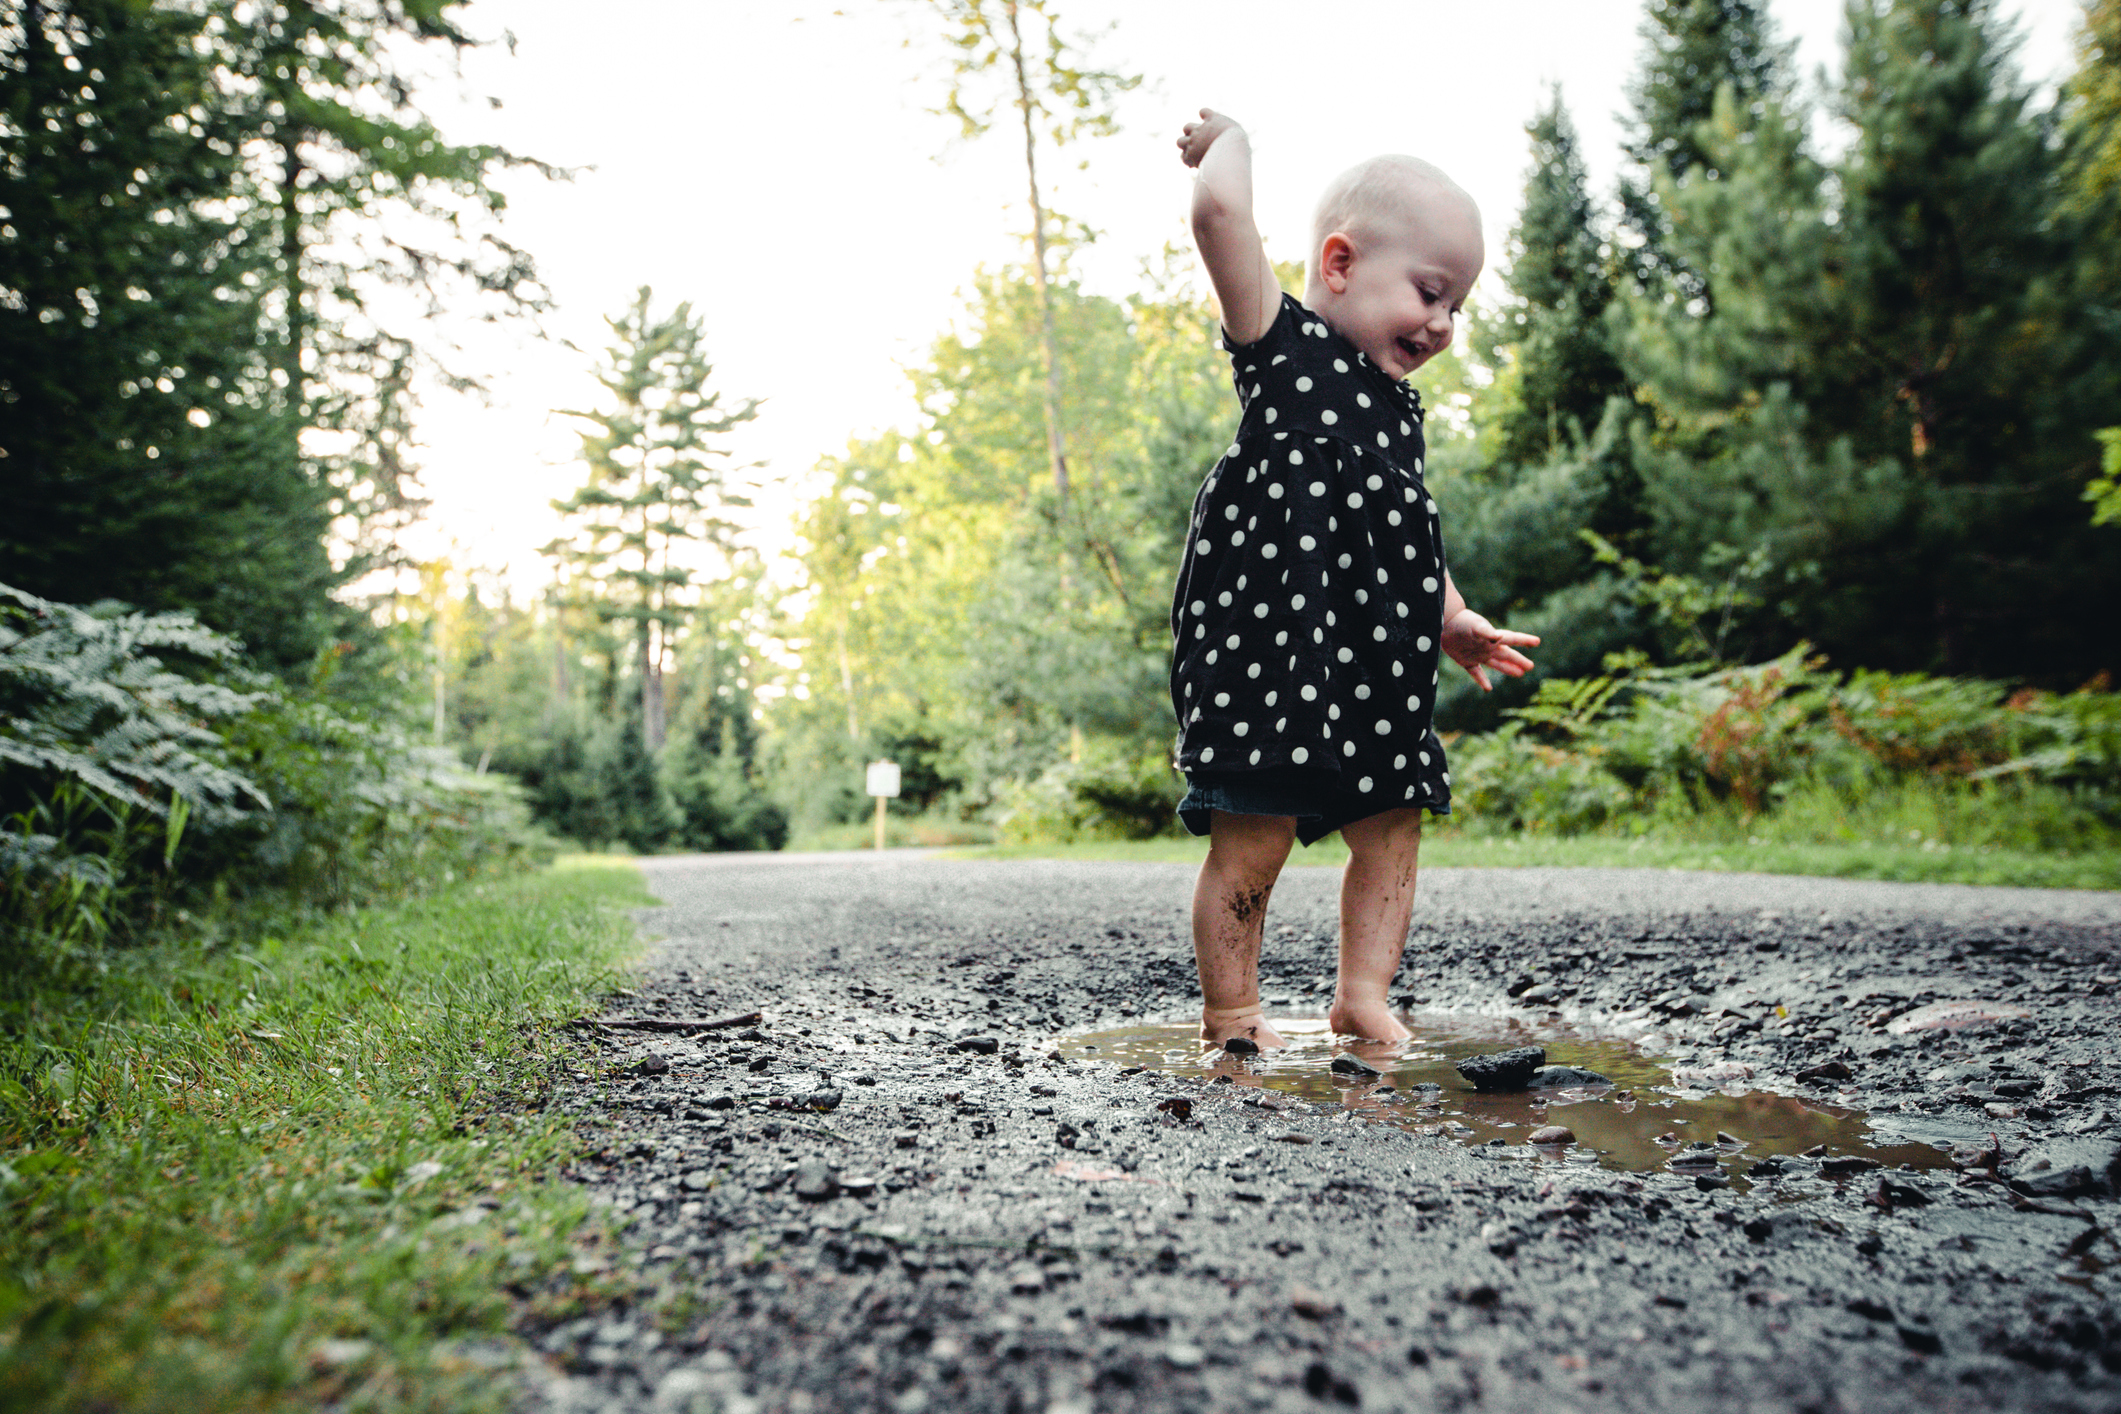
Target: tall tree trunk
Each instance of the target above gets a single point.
(1056, 450)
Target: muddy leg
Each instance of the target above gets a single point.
(1376, 900)
(1245, 855)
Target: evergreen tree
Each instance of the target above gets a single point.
(1691, 50)
(657, 480)
(147, 458)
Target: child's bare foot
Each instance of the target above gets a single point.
(1371, 1020)
(1219, 1028)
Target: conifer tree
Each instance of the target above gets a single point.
(1565, 363)
(658, 479)
(1692, 48)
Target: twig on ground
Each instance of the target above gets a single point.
(670, 1025)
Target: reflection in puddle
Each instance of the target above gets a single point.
(1644, 1121)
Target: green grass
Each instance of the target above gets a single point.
(212, 1160)
(1449, 849)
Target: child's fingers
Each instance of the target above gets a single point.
(1480, 676)
(1511, 636)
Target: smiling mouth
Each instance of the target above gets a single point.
(1413, 353)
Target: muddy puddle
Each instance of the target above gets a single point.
(1659, 1114)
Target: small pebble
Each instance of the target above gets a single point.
(1553, 1134)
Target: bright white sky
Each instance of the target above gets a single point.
(774, 163)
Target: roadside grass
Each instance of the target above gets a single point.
(304, 1173)
(1446, 848)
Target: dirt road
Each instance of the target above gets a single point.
(896, 1193)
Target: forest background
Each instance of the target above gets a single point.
(1790, 448)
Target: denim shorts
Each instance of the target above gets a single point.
(1317, 800)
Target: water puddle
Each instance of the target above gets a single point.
(1657, 1115)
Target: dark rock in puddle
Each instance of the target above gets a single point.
(1552, 1134)
(1895, 1192)
(976, 1045)
(1241, 1046)
(1840, 1164)
(815, 1181)
(1541, 992)
(2067, 1168)
(1829, 1070)
(1502, 1070)
(1553, 1076)
(1178, 1106)
(1349, 1065)
(1710, 1182)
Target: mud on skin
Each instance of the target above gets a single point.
(888, 1194)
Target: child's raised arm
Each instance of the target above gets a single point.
(1217, 148)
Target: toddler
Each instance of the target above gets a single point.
(1313, 600)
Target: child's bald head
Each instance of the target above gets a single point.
(1389, 196)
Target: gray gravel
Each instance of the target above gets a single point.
(891, 1194)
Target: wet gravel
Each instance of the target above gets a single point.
(891, 1193)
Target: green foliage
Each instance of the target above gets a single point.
(148, 772)
(2104, 492)
(1786, 740)
(1114, 793)
(214, 1158)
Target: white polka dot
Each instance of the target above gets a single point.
(1230, 642)
(1271, 415)
(1198, 607)
(1447, 778)
(1406, 429)
(1222, 699)
(1281, 639)
(1303, 385)
(1268, 552)
(1391, 517)
(1296, 456)
(1223, 598)
(1408, 492)
(1317, 488)
(1234, 450)
(1424, 758)
(1329, 417)
(1333, 712)
(1402, 610)
(1399, 763)
(1410, 552)
(1378, 633)
(1428, 584)
(1354, 500)
(1255, 758)
(1384, 728)
(1297, 602)
(1432, 508)
(1252, 671)
(1376, 483)
(1259, 611)
(1345, 561)
(1413, 704)
(1237, 537)
(1330, 620)
(1280, 722)
(1300, 755)
(1242, 729)
(1307, 328)
(1364, 784)
(1347, 748)
(1212, 655)
(1204, 547)
(1347, 655)
(1383, 578)
(1318, 635)
(1240, 581)
(1340, 365)
(1382, 440)
(1399, 670)
(1229, 513)
(1362, 596)
(1271, 698)
(1421, 644)
(1308, 693)
(1189, 689)
(1362, 400)
(1410, 792)
(1307, 543)
(1200, 631)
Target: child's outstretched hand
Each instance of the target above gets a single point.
(1197, 138)
(1477, 645)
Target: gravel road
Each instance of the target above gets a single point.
(893, 1193)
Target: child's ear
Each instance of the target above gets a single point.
(1335, 259)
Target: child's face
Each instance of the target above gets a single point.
(1396, 295)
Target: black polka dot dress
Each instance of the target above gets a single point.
(1310, 601)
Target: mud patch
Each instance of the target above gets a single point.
(1658, 1114)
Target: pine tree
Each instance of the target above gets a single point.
(1566, 366)
(658, 479)
(1692, 49)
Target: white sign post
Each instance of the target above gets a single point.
(883, 784)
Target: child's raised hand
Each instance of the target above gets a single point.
(1198, 137)
(1477, 645)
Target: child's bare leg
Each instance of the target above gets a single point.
(1245, 855)
(1376, 900)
